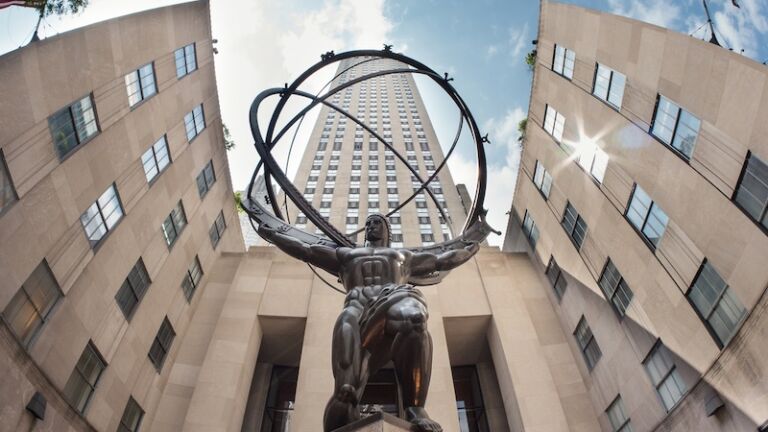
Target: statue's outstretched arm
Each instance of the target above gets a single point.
(319, 255)
(423, 263)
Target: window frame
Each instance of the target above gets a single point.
(159, 170)
(203, 175)
(122, 426)
(100, 212)
(157, 342)
(744, 169)
(80, 141)
(657, 347)
(190, 279)
(194, 122)
(641, 230)
(138, 296)
(565, 57)
(578, 219)
(177, 231)
(140, 84)
(705, 319)
(680, 110)
(43, 316)
(97, 355)
(623, 426)
(218, 230)
(544, 176)
(183, 49)
(584, 326)
(14, 198)
(607, 99)
(529, 232)
(616, 286)
(558, 115)
(554, 267)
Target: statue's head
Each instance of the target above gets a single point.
(377, 231)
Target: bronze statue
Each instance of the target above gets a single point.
(384, 317)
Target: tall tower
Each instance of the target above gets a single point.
(348, 174)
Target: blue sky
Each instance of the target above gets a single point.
(481, 44)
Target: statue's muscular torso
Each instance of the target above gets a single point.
(366, 271)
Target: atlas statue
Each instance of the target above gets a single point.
(384, 318)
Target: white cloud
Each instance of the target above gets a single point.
(660, 12)
(517, 39)
(739, 28)
(501, 176)
(264, 44)
(491, 51)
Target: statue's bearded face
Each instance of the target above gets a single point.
(376, 230)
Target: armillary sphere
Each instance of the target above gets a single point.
(475, 226)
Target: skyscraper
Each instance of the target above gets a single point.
(642, 197)
(347, 170)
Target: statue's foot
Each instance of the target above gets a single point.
(419, 418)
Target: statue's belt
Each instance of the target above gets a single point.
(388, 297)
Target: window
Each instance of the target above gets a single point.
(614, 287)
(424, 220)
(675, 127)
(609, 85)
(593, 159)
(427, 237)
(32, 304)
(752, 193)
(301, 219)
(133, 288)
(73, 126)
(102, 216)
(140, 84)
(7, 192)
(192, 279)
(397, 237)
(132, 415)
(162, 344)
(156, 159)
(574, 225)
(82, 382)
(217, 229)
(556, 278)
(645, 215)
(554, 123)
(542, 179)
(716, 304)
(587, 343)
(205, 179)
(664, 376)
(564, 61)
(394, 220)
(281, 398)
(618, 417)
(185, 60)
(469, 399)
(530, 230)
(174, 224)
(194, 122)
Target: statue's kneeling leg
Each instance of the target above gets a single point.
(412, 357)
(342, 408)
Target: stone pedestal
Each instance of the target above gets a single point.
(379, 422)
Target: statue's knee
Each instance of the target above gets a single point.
(346, 393)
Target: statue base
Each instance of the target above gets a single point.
(378, 422)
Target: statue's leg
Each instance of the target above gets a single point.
(412, 358)
(346, 359)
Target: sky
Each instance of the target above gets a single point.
(481, 44)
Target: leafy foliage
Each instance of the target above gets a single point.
(58, 7)
(530, 59)
(229, 143)
(521, 129)
(239, 202)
